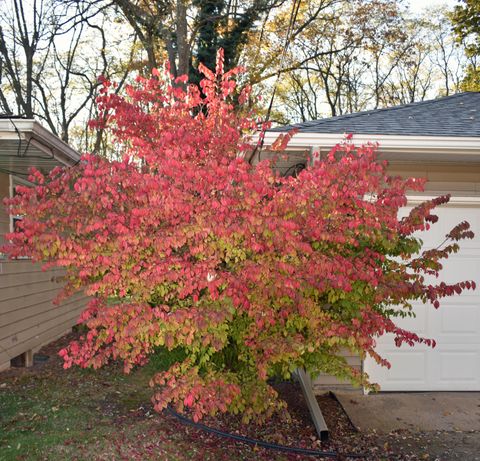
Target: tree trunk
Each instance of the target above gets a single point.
(182, 39)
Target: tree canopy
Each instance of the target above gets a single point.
(333, 56)
(466, 24)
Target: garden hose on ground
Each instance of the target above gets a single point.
(260, 443)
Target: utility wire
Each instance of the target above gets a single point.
(291, 23)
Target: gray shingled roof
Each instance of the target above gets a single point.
(456, 115)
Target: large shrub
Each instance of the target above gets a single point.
(185, 245)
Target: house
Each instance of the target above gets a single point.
(28, 319)
(439, 140)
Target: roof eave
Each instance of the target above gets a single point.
(443, 146)
(42, 138)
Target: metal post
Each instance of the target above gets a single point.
(315, 412)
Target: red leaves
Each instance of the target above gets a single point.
(461, 231)
(282, 141)
(185, 246)
(403, 336)
(188, 400)
(210, 76)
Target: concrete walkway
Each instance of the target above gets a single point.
(429, 411)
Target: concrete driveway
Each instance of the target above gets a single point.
(413, 411)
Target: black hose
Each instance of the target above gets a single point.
(260, 443)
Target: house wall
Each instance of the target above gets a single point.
(28, 319)
(283, 162)
(457, 179)
(324, 382)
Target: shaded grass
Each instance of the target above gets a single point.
(52, 406)
(47, 413)
(42, 411)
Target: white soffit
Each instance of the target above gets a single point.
(396, 148)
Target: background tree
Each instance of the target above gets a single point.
(413, 69)
(333, 56)
(448, 58)
(390, 57)
(51, 57)
(466, 24)
(356, 50)
(189, 32)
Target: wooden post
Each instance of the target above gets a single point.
(23, 360)
(315, 412)
(28, 358)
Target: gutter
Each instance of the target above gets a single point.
(444, 147)
(473, 201)
(32, 132)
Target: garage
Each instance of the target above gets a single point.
(454, 364)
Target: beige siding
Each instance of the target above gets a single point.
(28, 318)
(456, 179)
(284, 162)
(326, 382)
(4, 218)
(323, 382)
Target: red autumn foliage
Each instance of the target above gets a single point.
(184, 245)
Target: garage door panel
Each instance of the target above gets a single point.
(457, 366)
(456, 320)
(457, 268)
(395, 379)
(422, 369)
(454, 364)
(459, 320)
(468, 297)
(417, 324)
(436, 235)
(460, 267)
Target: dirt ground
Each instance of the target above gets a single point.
(48, 413)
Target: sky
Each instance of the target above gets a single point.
(418, 5)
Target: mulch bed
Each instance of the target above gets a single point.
(345, 441)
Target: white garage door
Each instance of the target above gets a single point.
(454, 364)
